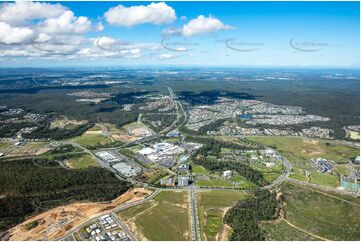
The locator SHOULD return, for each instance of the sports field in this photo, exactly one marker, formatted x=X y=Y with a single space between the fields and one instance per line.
x=212 y=206
x=83 y=161
x=93 y=140
x=166 y=217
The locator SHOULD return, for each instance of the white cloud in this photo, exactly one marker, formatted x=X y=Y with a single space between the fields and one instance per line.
x=155 y=13
x=166 y=56
x=67 y=23
x=200 y=25
x=15 y=35
x=20 y=12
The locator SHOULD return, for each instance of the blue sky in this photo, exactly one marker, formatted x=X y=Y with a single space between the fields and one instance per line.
x=270 y=34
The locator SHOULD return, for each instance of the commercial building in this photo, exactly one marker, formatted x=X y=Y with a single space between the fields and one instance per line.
x=227 y=173
x=183 y=167
x=162 y=153
x=322 y=165
x=106 y=156
x=173 y=134
x=126 y=169
x=183 y=181
x=168 y=181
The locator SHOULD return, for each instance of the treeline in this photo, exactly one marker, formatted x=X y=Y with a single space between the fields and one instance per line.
x=106 y=145
x=9 y=129
x=245 y=216
x=212 y=126
x=45 y=132
x=200 y=157
x=27 y=186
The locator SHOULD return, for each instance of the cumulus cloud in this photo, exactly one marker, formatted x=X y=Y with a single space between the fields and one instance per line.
x=51 y=31
x=20 y=12
x=154 y=13
x=35 y=22
x=200 y=25
x=67 y=23
x=15 y=35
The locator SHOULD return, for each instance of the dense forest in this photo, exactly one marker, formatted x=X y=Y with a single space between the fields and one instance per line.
x=27 y=186
x=212 y=149
x=8 y=130
x=245 y=216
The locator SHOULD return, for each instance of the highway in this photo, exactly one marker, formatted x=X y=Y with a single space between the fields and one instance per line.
x=194 y=215
x=180 y=112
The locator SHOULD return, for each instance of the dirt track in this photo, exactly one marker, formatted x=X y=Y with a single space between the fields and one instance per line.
x=56 y=222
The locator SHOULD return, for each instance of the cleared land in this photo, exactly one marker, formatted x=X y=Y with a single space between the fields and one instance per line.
x=220 y=182
x=296 y=148
x=65 y=123
x=26 y=149
x=166 y=217
x=281 y=231
x=56 y=222
x=83 y=161
x=137 y=129
x=331 y=216
x=93 y=140
x=119 y=134
x=212 y=206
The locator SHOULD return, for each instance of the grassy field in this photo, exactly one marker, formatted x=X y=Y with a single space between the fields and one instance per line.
x=211 y=208
x=200 y=170
x=166 y=217
x=341 y=169
x=218 y=182
x=296 y=148
x=83 y=161
x=214 y=182
x=323 y=214
x=92 y=140
x=281 y=231
x=298 y=174
x=325 y=179
x=269 y=173
x=135 y=125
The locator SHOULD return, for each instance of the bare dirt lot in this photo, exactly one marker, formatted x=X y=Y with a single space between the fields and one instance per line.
x=54 y=223
x=26 y=149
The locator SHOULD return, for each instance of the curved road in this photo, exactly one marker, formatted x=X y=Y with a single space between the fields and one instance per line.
x=113 y=212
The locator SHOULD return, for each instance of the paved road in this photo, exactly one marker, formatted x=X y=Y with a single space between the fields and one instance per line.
x=180 y=113
x=113 y=212
x=283 y=177
x=327 y=189
x=194 y=215
x=123 y=226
